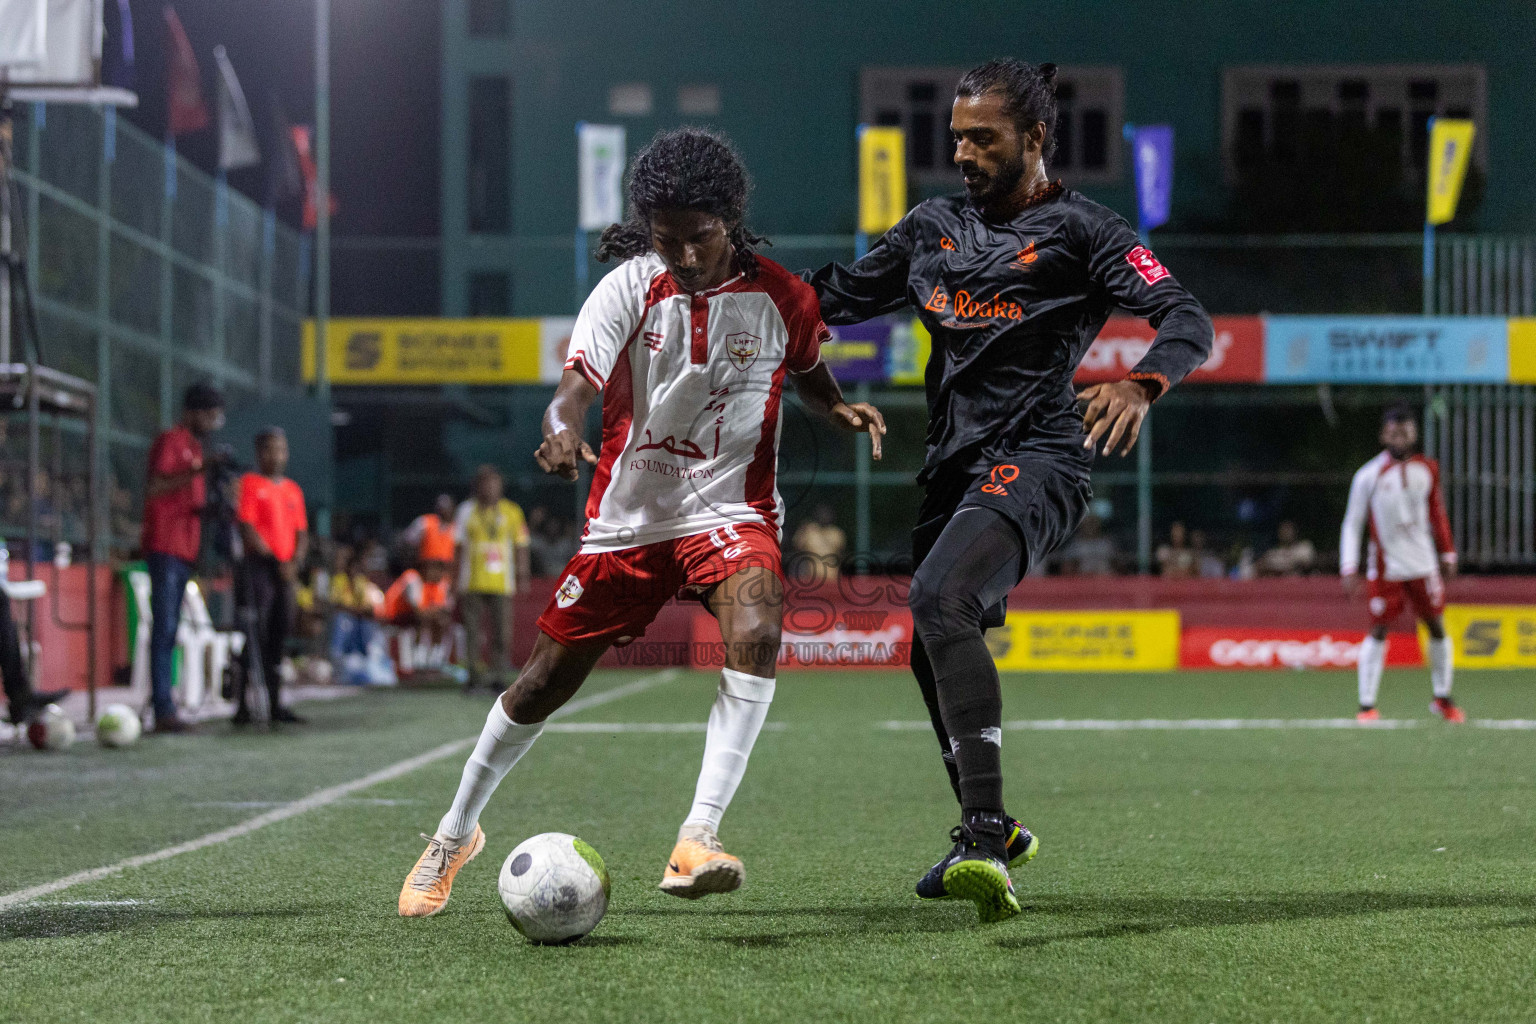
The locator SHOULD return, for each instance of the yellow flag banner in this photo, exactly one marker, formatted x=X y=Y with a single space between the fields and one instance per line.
x=1450 y=148
x=427 y=351
x=882 y=179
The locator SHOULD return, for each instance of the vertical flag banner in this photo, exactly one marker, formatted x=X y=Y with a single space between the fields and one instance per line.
x=882 y=178
x=302 y=148
x=185 y=111
x=1450 y=149
x=1152 y=145
x=600 y=174
x=237 y=132
x=285 y=179
x=51 y=42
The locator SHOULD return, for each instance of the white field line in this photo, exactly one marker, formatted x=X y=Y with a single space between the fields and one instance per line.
x=317 y=799
x=602 y=727
x=1215 y=724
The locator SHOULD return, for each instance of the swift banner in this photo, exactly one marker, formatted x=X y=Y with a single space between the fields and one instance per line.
x=427 y=351
x=1492 y=635
x=1385 y=350
x=1087 y=641
x=1236 y=356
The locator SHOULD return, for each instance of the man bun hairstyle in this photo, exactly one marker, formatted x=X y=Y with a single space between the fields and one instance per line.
x=684 y=169
x=1028 y=91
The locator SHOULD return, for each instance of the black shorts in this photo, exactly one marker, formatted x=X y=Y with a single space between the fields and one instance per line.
x=1044 y=496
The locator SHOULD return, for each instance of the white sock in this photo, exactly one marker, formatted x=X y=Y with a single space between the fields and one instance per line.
x=1373 y=655
x=740 y=709
x=1440 y=669
x=502 y=742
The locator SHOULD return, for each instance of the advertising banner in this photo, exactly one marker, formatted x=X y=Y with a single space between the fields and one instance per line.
x=427 y=351
x=1522 y=350
x=1450 y=148
x=1243 y=647
x=599 y=175
x=1385 y=350
x=823 y=636
x=1153 y=148
x=882 y=179
x=1236 y=356
x=857 y=353
x=1087 y=641
x=1492 y=635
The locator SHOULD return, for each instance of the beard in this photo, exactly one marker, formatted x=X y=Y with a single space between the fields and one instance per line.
x=991 y=187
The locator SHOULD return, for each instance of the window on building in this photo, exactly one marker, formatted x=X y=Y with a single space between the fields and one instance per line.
x=1090 y=99
x=1282 y=117
x=490 y=19
x=490 y=293
x=490 y=154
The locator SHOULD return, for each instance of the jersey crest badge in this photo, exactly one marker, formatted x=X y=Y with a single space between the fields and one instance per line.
x=743 y=348
x=569 y=592
x=1146 y=264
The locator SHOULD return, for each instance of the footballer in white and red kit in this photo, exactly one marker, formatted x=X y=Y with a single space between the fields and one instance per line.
x=690 y=342
x=1396 y=507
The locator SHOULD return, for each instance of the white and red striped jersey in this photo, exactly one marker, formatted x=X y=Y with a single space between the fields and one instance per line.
x=1399 y=503
x=691 y=386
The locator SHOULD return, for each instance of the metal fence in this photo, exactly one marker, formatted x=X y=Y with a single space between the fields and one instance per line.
x=1484 y=437
x=148 y=276
x=1485 y=275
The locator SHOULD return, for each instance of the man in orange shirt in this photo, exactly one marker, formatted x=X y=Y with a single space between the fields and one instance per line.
x=432 y=535
x=275 y=532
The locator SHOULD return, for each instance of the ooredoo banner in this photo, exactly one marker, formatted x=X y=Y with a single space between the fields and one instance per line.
x=1236 y=356
x=1241 y=648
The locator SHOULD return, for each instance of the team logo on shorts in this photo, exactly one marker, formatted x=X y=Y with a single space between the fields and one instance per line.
x=569 y=592
x=743 y=348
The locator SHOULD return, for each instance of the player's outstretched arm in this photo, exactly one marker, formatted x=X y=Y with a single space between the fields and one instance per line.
x=871 y=286
x=563 y=420
x=818 y=389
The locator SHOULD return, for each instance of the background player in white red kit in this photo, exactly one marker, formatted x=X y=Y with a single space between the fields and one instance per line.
x=1396 y=498
x=690 y=340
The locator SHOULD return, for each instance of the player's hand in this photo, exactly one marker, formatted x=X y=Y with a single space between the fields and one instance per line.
x=1448 y=566
x=1116 y=409
x=860 y=416
x=1351 y=583
x=559 y=452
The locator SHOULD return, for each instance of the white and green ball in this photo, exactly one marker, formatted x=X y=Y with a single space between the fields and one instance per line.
x=118 y=726
x=555 y=888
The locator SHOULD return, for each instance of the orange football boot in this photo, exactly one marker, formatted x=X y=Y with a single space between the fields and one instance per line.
x=427 y=889
x=700 y=866
x=1443 y=707
x=1368 y=715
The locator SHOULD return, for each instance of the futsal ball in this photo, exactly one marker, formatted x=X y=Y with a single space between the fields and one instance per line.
x=555 y=888
x=118 y=726
x=51 y=730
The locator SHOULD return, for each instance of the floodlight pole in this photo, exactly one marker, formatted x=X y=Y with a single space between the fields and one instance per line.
x=323 y=200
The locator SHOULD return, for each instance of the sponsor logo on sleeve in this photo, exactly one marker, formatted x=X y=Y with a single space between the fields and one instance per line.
x=1146 y=264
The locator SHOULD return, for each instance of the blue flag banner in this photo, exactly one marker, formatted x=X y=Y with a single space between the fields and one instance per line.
x=1152 y=147
x=1385 y=349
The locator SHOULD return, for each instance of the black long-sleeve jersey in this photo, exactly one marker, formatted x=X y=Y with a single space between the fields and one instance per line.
x=1011 y=308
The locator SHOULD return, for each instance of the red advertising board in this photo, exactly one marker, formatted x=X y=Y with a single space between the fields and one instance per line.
x=1237 y=356
x=1243 y=647
x=824 y=633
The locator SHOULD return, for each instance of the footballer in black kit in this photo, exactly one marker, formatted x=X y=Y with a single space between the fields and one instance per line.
x=1013 y=279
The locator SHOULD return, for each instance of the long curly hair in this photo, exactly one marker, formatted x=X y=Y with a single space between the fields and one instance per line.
x=687 y=169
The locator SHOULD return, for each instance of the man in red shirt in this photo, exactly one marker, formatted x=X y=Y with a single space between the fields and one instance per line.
x=274 y=530
x=174 y=497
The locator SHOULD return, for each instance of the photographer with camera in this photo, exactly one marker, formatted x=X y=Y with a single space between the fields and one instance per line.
x=175 y=494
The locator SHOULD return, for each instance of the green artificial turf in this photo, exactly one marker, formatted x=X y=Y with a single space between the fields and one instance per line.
x=1277 y=875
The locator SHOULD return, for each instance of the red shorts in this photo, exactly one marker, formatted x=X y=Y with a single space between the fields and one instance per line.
x=1426 y=596
x=612 y=596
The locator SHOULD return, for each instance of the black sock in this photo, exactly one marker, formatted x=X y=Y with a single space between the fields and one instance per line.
x=975 y=562
x=922 y=668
